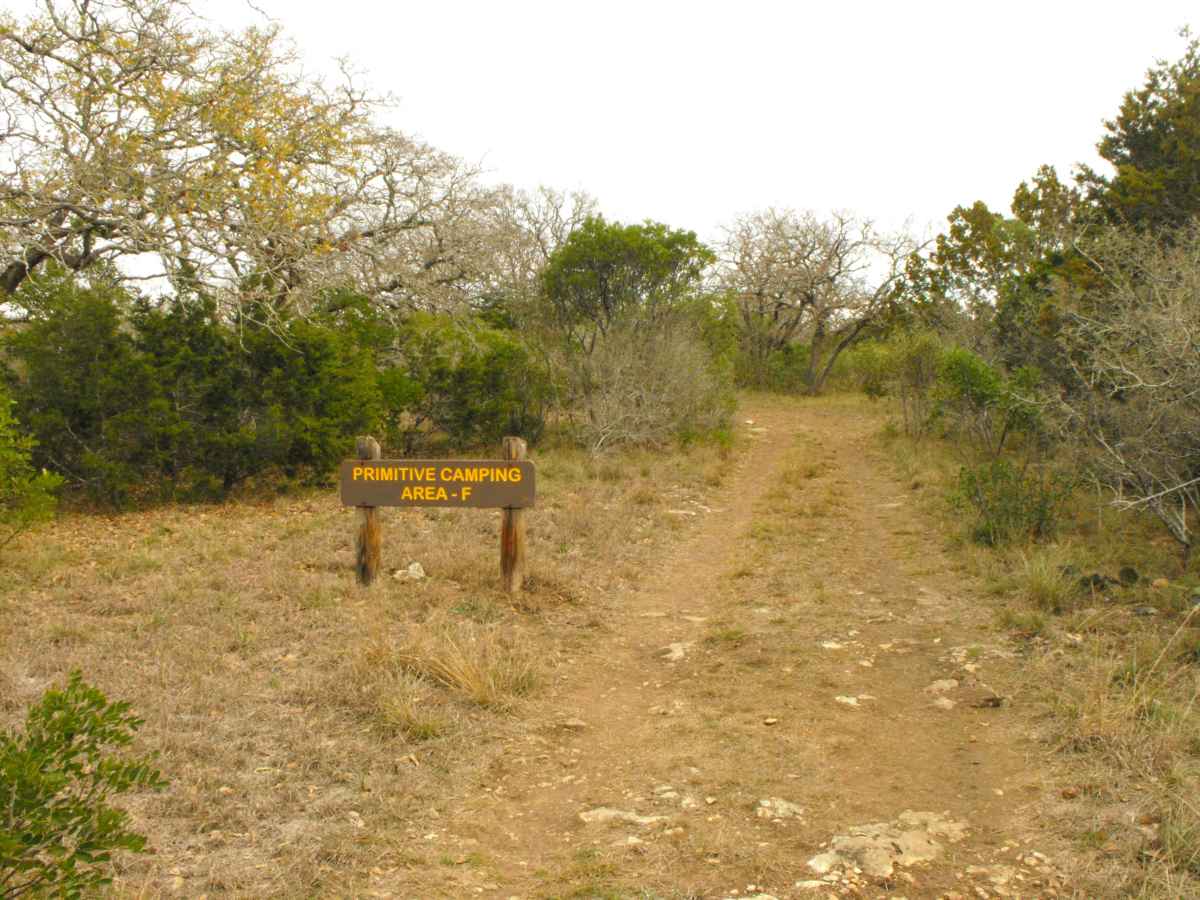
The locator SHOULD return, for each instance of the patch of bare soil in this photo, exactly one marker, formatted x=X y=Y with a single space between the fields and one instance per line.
x=804 y=697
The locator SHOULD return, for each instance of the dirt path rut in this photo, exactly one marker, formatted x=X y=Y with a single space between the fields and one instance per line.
x=805 y=699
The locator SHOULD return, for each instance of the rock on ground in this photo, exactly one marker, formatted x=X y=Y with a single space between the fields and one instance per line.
x=881 y=846
x=674 y=652
x=607 y=814
x=775 y=808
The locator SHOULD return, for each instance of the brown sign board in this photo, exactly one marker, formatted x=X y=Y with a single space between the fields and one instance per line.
x=437 y=482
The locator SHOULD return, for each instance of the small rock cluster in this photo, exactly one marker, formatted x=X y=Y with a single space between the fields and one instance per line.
x=414 y=572
x=877 y=848
x=775 y=808
x=1127 y=577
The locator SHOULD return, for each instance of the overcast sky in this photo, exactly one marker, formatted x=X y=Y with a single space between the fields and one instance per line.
x=691 y=113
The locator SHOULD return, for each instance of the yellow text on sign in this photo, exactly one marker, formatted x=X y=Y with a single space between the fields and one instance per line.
x=494 y=474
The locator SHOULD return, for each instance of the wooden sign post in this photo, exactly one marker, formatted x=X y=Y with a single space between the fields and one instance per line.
x=368 y=538
x=512 y=529
x=369 y=482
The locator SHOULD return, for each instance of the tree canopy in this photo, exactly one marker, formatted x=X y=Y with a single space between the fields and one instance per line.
x=1153 y=145
x=796 y=277
x=132 y=129
x=606 y=273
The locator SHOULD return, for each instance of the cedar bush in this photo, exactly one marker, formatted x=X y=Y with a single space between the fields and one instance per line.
x=84 y=392
x=1008 y=503
x=133 y=398
x=982 y=406
x=129 y=397
x=27 y=496
x=474 y=384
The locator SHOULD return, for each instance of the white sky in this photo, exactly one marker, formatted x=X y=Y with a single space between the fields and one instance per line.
x=691 y=113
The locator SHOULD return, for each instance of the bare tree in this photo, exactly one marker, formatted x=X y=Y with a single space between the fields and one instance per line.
x=650 y=385
x=798 y=278
x=527 y=227
x=1135 y=348
x=129 y=129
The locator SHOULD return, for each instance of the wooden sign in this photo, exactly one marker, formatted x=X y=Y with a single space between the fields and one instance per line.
x=478 y=483
x=370 y=482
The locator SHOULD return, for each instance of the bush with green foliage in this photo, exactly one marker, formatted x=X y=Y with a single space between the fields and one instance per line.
x=83 y=390
x=130 y=398
x=135 y=398
x=913 y=371
x=1008 y=502
x=27 y=496
x=197 y=440
x=982 y=406
x=713 y=318
x=782 y=371
x=864 y=367
x=57 y=829
x=474 y=384
x=642 y=352
x=607 y=275
x=312 y=390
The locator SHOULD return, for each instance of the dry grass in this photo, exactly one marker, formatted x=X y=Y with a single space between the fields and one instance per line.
x=487 y=665
x=1127 y=713
x=1042 y=580
x=309 y=728
x=1121 y=686
x=407 y=709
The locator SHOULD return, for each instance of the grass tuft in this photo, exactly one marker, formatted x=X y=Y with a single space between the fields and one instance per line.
x=405 y=707
x=1041 y=579
x=489 y=665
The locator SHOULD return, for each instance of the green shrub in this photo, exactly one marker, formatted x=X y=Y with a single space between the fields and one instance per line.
x=199 y=442
x=969 y=379
x=714 y=319
x=473 y=383
x=312 y=390
x=290 y=398
x=914 y=369
x=83 y=390
x=27 y=496
x=130 y=398
x=865 y=367
x=57 y=830
x=981 y=406
x=783 y=371
x=1008 y=503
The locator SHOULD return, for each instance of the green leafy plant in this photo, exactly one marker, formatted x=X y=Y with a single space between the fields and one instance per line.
x=1009 y=503
x=474 y=384
x=984 y=407
x=57 y=830
x=867 y=366
x=27 y=496
x=914 y=370
x=131 y=397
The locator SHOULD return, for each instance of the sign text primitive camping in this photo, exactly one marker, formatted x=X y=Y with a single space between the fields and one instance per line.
x=480 y=483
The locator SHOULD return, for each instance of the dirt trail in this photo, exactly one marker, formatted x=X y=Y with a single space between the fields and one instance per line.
x=807 y=642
